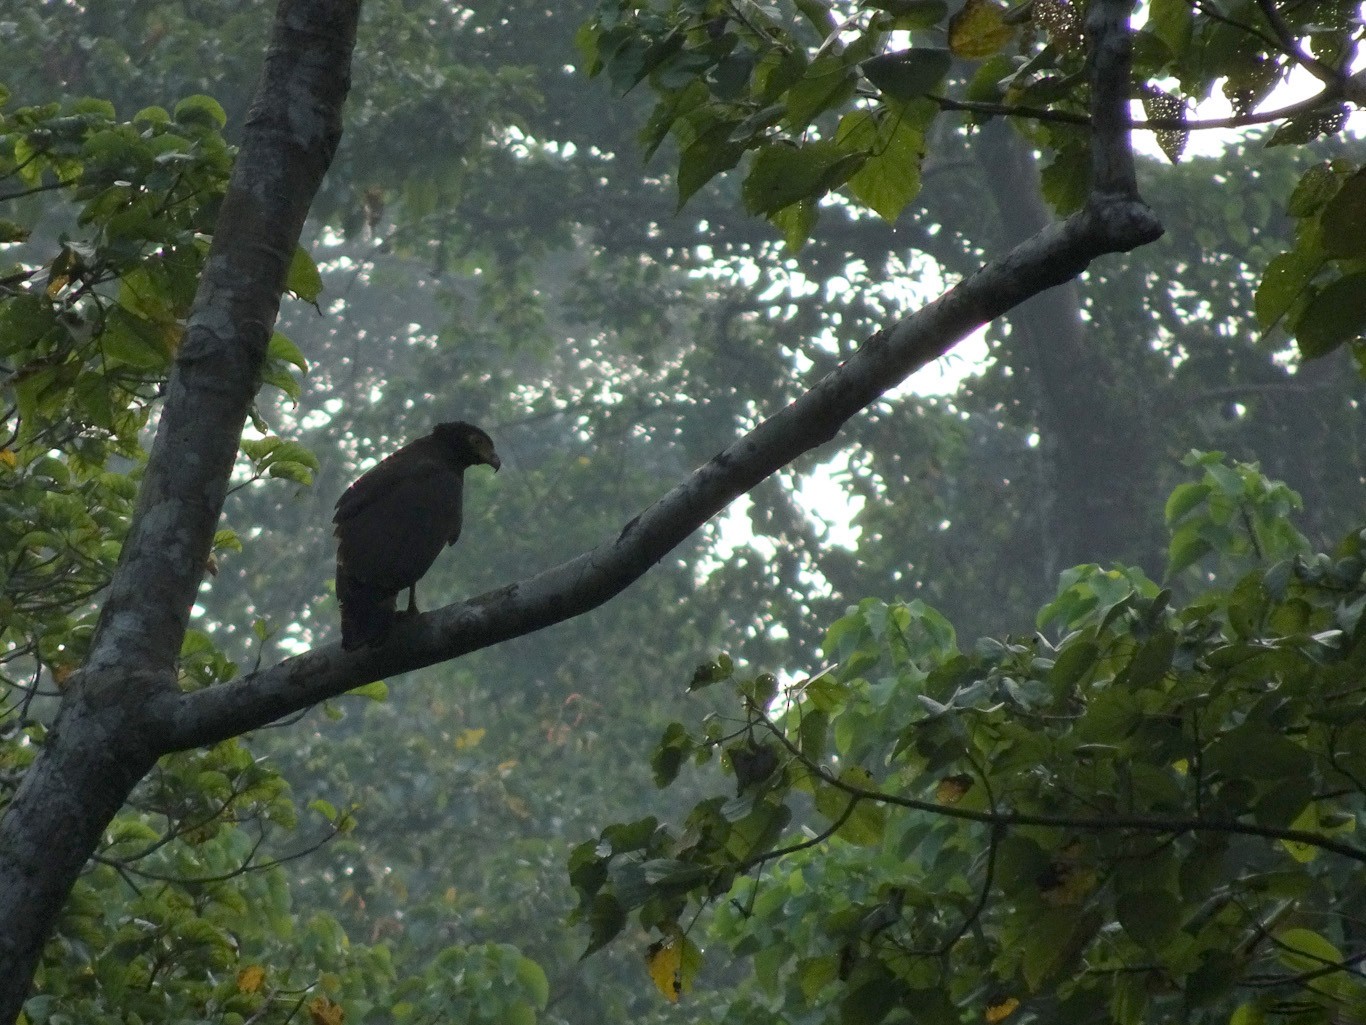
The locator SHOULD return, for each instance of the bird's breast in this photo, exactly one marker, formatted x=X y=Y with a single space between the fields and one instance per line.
x=392 y=541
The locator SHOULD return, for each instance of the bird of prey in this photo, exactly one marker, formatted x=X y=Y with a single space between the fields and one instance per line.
x=393 y=522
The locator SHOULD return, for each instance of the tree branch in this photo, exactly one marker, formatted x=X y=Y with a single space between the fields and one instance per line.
x=1291 y=47
x=1089 y=823
x=1114 y=220
x=1321 y=98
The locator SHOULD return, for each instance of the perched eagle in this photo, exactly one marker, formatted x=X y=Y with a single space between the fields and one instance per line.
x=393 y=522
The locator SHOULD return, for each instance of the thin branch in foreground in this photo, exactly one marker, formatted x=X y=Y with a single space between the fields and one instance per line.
x=1153 y=124
x=1087 y=823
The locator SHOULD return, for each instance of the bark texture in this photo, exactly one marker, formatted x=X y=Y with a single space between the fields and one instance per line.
x=111 y=727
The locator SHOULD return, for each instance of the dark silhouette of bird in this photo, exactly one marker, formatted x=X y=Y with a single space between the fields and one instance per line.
x=393 y=522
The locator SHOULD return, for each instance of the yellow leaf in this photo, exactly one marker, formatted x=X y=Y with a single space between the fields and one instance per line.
x=979 y=30
x=1000 y=1012
x=324 y=1012
x=950 y=789
x=517 y=806
x=1316 y=819
x=8 y=458
x=1067 y=885
x=1163 y=106
x=672 y=963
x=249 y=979
x=1061 y=19
x=469 y=738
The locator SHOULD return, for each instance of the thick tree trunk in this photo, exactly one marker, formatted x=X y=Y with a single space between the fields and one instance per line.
x=89 y=764
x=112 y=724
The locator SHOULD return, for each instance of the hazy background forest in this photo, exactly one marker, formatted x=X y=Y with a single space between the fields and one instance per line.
x=494 y=248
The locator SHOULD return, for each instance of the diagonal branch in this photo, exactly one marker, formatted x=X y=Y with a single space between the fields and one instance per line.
x=1114 y=220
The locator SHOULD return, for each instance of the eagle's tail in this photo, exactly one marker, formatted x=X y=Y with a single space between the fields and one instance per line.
x=367 y=615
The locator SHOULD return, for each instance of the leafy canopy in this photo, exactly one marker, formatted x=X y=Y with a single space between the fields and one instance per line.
x=1151 y=816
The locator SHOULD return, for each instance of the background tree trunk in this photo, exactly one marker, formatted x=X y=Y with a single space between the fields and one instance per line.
x=1089 y=427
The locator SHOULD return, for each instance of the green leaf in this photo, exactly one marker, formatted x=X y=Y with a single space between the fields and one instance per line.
x=296 y=472
x=606 y=917
x=1286 y=279
x=281 y=348
x=985 y=86
x=979 y=29
x=826 y=84
x=1247 y=1014
x=1215 y=976
x=908 y=74
x=1316 y=187
x=1065 y=182
x=1334 y=316
x=303 y=278
x=1072 y=664
x=674 y=747
x=1255 y=750
x=911 y=14
x=325 y=808
x=811 y=733
x=1150 y=917
x=1170 y=21
x=152 y=116
x=1344 y=219
x=1184 y=498
x=135 y=343
x=1128 y=1000
x=1311 y=819
x=707 y=156
x=872 y=1001
x=867 y=821
x=815 y=973
x=796 y=222
x=286 y=382
x=201 y=110
x=890 y=176
x=1187 y=547
x=533 y=978
x=1056 y=937
x=1303 y=950
x=376 y=691
x=782 y=175
x=1151 y=662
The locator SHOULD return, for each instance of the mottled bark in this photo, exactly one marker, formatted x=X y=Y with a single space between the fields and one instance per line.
x=113 y=721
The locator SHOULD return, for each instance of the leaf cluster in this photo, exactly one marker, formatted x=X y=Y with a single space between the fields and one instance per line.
x=826 y=97
x=1150 y=815
x=1317 y=290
